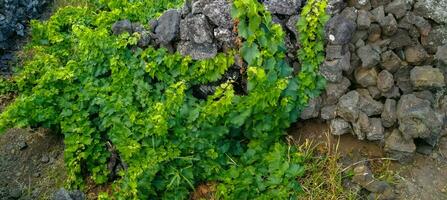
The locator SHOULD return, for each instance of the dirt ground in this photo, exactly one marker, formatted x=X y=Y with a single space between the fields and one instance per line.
x=423 y=179
x=31 y=164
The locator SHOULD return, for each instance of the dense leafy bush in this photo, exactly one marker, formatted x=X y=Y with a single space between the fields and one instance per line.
x=106 y=97
x=7 y=86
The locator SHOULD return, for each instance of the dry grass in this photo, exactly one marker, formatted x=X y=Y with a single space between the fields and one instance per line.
x=324 y=177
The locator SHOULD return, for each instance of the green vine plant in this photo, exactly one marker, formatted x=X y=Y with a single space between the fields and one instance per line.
x=112 y=102
x=311 y=54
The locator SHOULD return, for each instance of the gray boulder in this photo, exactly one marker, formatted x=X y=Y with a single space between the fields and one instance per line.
x=374 y=92
x=389 y=115
x=196 y=29
x=350 y=13
x=398 y=8
x=153 y=23
x=416 y=117
x=437 y=36
x=369 y=55
x=329 y=112
x=168 y=26
x=335 y=90
x=390 y=61
x=432 y=9
x=312 y=110
x=345 y=63
x=378 y=14
x=400 y=40
x=219 y=13
x=339 y=30
x=363 y=20
x=197 y=51
x=441 y=56
x=223 y=35
x=415 y=55
x=385 y=81
x=335 y=6
x=427 y=95
x=340 y=127
x=389 y=25
x=63 y=194
x=367 y=104
x=360 y=4
x=361 y=126
x=197 y=6
x=374 y=33
x=377 y=3
x=376 y=130
x=422 y=24
x=402 y=78
x=283 y=7
x=366 y=76
x=347 y=106
x=146 y=38
x=332 y=70
x=398 y=147
x=123 y=26
x=394 y=93
x=427 y=77
x=335 y=51
x=291 y=25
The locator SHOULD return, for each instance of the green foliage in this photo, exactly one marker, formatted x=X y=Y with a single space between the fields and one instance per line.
x=7 y=86
x=311 y=54
x=96 y=90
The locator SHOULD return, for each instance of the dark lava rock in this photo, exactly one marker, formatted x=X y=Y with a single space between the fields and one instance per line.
x=63 y=194
x=197 y=51
x=417 y=119
x=13 y=15
x=22 y=145
x=122 y=26
x=219 y=13
x=339 y=30
x=427 y=77
x=340 y=126
x=369 y=55
x=283 y=7
x=168 y=26
x=196 y=29
x=399 y=148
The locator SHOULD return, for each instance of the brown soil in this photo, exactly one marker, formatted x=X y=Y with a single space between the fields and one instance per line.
x=319 y=133
x=31 y=164
x=204 y=191
x=424 y=179
x=5 y=100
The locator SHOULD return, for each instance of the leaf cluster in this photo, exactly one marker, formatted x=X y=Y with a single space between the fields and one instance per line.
x=311 y=54
x=106 y=96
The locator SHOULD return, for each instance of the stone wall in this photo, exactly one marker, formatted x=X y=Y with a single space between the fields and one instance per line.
x=386 y=62
x=14 y=16
x=386 y=71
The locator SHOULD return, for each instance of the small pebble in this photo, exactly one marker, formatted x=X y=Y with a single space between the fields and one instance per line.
x=44 y=159
x=22 y=145
x=36 y=175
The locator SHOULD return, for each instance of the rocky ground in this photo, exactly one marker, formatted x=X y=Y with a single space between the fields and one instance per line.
x=14 y=18
x=423 y=178
x=31 y=164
